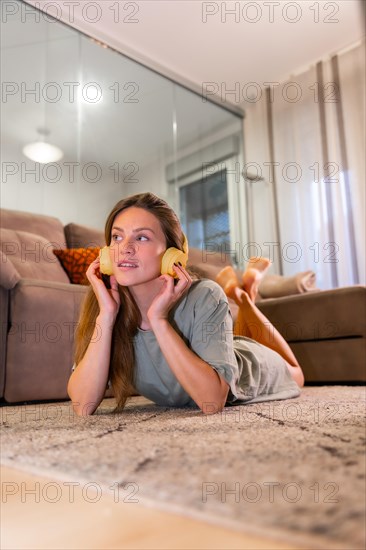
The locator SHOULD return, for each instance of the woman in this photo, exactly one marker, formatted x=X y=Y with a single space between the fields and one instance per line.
x=172 y=341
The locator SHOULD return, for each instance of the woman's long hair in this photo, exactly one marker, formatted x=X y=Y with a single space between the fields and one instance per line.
x=122 y=362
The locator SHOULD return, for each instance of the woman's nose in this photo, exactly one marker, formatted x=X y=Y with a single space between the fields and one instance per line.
x=129 y=246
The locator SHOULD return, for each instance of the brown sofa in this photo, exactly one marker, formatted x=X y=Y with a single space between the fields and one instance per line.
x=40 y=308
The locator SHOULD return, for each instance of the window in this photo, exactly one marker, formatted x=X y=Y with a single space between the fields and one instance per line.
x=204 y=211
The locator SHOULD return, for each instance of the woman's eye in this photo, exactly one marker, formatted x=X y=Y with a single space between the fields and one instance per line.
x=119 y=238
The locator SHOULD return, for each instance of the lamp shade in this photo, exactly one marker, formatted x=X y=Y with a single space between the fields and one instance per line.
x=42 y=152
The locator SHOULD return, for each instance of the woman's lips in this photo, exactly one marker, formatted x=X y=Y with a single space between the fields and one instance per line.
x=126 y=266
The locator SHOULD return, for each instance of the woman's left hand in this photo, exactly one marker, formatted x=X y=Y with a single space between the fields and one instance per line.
x=169 y=294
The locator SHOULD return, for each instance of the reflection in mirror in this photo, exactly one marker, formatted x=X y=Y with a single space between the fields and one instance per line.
x=120 y=129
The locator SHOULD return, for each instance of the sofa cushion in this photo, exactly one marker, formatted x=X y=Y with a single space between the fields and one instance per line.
x=48 y=227
x=31 y=255
x=76 y=261
x=82 y=236
x=275 y=286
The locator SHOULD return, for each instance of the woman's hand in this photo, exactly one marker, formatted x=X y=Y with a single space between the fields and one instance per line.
x=169 y=294
x=108 y=300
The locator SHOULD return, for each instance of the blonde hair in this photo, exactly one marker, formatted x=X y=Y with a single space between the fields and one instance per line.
x=122 y=362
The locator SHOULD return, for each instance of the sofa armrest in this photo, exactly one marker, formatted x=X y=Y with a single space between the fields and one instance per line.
x=9 y=275
x=4 y=319
x=323 y=315
x=40 y=339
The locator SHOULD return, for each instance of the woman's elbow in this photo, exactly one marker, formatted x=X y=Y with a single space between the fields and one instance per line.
x=212 y=407
x=217 y=404
x=80 y=407
x=84 y=409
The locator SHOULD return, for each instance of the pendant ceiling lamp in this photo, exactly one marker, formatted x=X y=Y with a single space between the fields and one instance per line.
x=42 y=151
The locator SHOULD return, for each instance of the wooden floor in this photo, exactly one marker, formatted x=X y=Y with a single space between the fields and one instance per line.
x=93 y=521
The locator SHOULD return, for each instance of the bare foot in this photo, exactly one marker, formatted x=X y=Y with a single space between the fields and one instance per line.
x=252 y=276
x=228 y=280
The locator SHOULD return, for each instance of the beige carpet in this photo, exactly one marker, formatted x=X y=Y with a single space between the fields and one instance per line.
x=292 y=470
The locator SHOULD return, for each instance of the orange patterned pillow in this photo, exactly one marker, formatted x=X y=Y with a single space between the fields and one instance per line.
x=76 y=261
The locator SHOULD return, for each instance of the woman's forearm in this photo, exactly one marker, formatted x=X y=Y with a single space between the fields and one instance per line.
x=87 y=384
x=206 y=387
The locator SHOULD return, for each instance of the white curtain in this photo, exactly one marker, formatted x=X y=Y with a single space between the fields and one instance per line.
x=317 y=189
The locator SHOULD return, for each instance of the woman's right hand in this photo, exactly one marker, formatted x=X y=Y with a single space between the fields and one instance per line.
x=108 y=300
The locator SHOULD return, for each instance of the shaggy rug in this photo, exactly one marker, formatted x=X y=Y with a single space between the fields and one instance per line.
x=291 y=470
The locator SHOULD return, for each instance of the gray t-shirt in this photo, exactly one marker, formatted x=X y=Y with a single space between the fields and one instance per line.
x=202 y=318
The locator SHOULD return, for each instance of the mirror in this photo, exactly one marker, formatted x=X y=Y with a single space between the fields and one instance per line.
x=122 y=129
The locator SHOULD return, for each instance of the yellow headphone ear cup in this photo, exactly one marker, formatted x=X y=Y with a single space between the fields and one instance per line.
x=185 y=245
x=173 y=256
x=105 y=261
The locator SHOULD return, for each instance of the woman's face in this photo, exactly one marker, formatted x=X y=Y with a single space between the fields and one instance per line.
x=137 y=246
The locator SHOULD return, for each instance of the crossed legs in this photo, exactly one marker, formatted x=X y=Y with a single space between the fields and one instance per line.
x=250 y=321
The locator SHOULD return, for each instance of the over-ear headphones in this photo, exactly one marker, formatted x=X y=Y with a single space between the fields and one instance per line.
x=105 y=265
x=171 y=256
